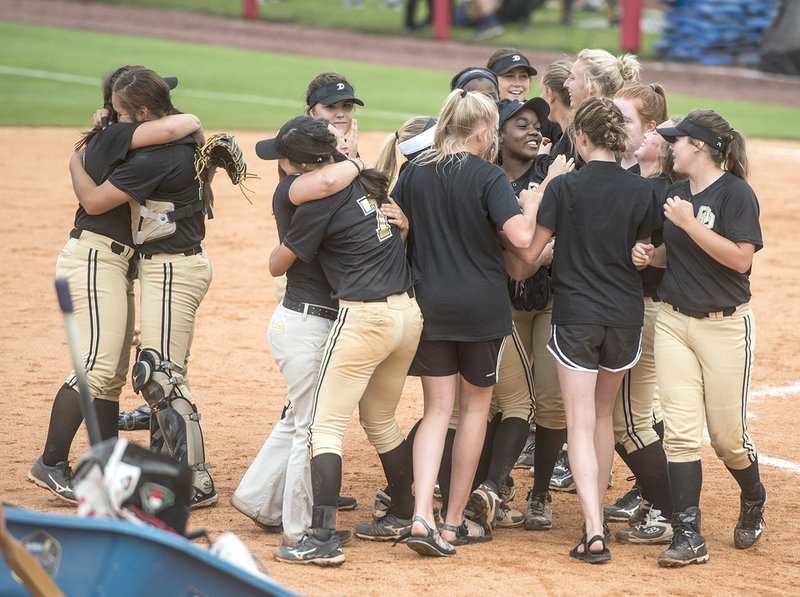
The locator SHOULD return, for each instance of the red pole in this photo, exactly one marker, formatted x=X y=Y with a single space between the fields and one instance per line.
x=631 y=30
x=250 y=9
x=441 y=19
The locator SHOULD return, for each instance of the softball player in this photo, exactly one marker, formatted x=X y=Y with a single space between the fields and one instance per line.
x=450 y=194
x=370 y=345
x=475 y=78
x=529 y=287
x=275 y=491
x=595 y=73
x=331 y=96
x=705 y=330
x=174 y=270
x=637 y=443
x=411 y=139
x=99 y=261
x=595 y=213
x=514 y=72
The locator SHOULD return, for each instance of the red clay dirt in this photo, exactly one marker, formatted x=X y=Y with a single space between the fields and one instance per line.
x=240 y=394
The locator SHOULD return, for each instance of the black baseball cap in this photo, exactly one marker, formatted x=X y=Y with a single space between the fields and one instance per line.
x=172 y=82
x=508 y=63
x=687 y=128
x=333 y=92
x=298 y=131
x=538 y=104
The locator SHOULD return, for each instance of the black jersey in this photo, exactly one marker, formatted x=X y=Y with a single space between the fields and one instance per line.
x=107 y=150
x=693 y=279
x=305 y=282
x=652 y=276
x=597 y=215
x=165 y=173
x=455 y=209
x=551 y=130
x=565 y=147
x=362 y=255
x=534 y=175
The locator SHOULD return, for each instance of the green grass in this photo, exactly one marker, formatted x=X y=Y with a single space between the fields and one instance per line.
x=545 y=33
x=51 y=77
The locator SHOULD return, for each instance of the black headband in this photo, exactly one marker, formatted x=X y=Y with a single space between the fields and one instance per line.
x=474 y=73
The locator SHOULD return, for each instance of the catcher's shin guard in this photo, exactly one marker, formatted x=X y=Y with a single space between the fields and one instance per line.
x=176 y=422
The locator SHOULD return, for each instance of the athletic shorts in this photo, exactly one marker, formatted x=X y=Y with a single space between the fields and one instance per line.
x=477 y=362
x=585 y=347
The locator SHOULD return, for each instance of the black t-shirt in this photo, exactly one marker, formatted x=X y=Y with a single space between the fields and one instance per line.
x=693 y=279
x=362 y=255
x=165 y=173
x=597 y=215
x=652 y=276
x=455 y=209
x=107 y=150
x=305 y=282
x=551 y=130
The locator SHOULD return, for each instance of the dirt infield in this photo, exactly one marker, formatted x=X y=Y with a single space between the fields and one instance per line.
x=240 y=395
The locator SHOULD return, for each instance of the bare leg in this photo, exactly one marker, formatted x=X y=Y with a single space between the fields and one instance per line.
x=605 y=393
x=439 y=395
x=474 y=406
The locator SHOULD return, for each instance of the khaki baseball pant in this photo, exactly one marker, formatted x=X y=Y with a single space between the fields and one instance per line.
x=102 y=296
x=703 y=368
x=365 y=364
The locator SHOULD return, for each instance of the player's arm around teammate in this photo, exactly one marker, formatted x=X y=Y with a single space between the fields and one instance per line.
x=705 y=330
x=99 y=262
x=371 y=343
x=275 y=491
x=174 y=269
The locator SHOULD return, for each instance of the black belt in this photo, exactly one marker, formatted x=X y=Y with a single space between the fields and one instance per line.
x=193 y=251
x=655 y=299
x=317 y=310
x=116 y=247
x=726 y=312
x=409 y=292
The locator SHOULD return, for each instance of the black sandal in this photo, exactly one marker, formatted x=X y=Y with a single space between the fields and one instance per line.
x=574 y=553
x=463 y=536
x=431 y=544
x=596 y=557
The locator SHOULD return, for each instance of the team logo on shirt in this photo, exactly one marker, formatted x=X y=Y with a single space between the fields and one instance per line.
x=706 y=217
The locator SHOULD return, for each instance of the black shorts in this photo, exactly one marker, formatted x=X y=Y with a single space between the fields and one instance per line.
x=585 y=347
x=477 y=362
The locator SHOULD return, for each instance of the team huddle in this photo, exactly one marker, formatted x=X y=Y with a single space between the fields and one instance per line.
x=606 y=248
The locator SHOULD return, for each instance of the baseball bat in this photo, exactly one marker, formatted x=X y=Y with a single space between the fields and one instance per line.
x=89 y=414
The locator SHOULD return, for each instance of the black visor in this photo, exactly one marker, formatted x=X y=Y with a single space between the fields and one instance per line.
x=333 y=92
x=687 y=128
x=508 y=63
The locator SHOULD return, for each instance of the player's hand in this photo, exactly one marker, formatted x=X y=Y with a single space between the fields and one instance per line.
x=560 y=166
x=99 y=115
x=642 y=254
x=679 y=212
x=395 y=215
x=547 y=253
x=545 y=145
x=352 y=140
x=530 y=196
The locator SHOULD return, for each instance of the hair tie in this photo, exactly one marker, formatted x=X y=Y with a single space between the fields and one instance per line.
x=463 y=93
x=653 y=86
x=397 y=135
x=730 y=132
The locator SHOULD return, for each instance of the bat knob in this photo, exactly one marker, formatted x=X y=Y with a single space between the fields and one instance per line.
x=64 y=298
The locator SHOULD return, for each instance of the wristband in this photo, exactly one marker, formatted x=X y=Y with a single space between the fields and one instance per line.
x=355 y=163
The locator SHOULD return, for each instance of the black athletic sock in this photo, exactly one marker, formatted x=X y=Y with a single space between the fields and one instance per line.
x=323 y=521
x=487 y=452
x=397 y=468
x=685 y=481
x=649 y=465
x=107 y=417
x=326 y=479
x=509 y=440
x=659 y=429
x=749 y=480
x=66 y=417
x=548 y=444
x=446 y=467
